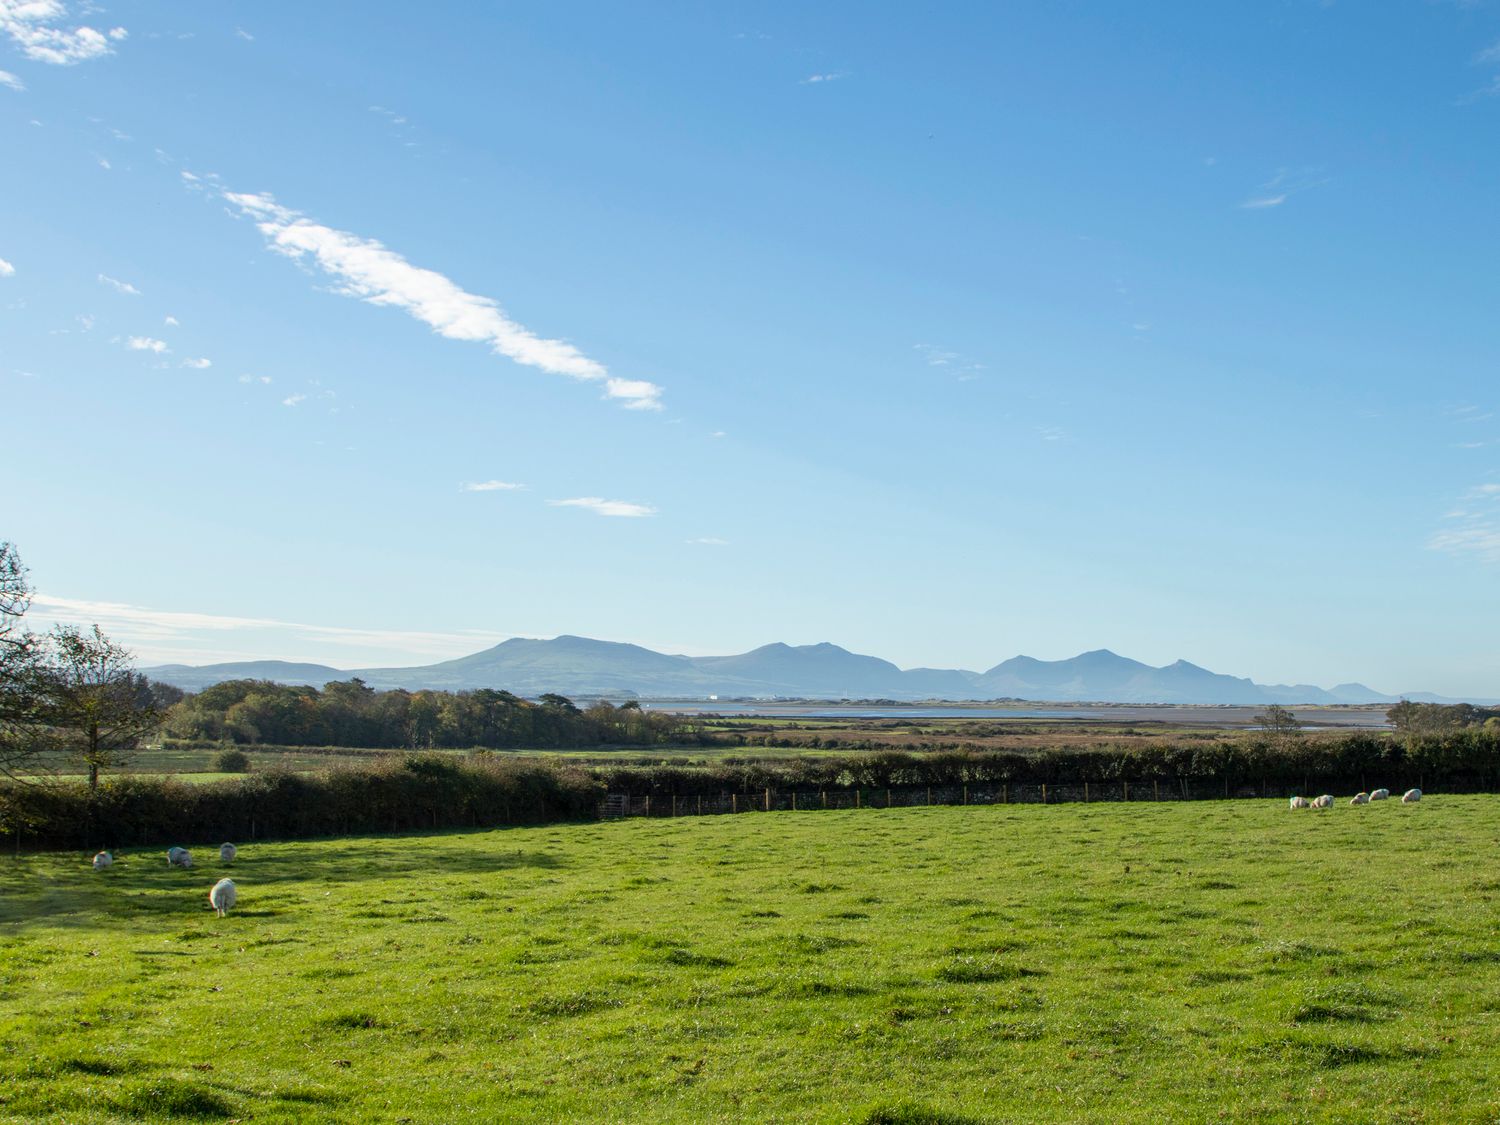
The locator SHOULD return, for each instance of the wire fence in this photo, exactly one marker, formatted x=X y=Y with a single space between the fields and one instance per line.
x=616 y=805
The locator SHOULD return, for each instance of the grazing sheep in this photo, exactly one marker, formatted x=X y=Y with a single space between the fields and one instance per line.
x=222 y=896
x=103 y=860
x=179 y=857
x=1360 y=799
x=1323 y=802
x=1411 y=796
x=1379 y=794
x=227 y=852
x=1301 y=803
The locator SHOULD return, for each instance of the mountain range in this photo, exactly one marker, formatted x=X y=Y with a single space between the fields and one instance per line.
x=585 y=668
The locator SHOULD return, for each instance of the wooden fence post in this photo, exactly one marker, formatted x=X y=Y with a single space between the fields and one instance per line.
x=794 y=800
x=734 y=802
x=674 y=804
x=768 y=799
x=1005 y=792
x=823 y=796
x=1155 y=789
x=856 y=796
x=929 y=795
x=887 y=798
x=1127 y=791
x=648 y=804
x=700 y=804
x=1085 y=792
x=966 y=794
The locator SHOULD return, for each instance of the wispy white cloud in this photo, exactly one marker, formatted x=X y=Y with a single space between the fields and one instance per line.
x=198 y=364
x=6 y=269
x=601 y=507
x=1470 y=412
x=147 y=344
x=1476 y=526
x=965 y=370
x=814 y=79
x=1286 y=183
x=171 y=322
x=371 y=272
x=293 y=400
x=33 y=25
x=11 y=82
x=157 y=634
x=262 y=379
x=119 y=286
x=490 y=486
x=241 y=33
x=104 y=163
x=709 y=541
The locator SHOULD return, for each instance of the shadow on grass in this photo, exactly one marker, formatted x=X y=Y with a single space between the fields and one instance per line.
x=60 y=890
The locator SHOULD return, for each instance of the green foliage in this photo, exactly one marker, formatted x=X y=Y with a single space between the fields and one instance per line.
x=1251 y=965
x=392 y=794
x=1463 y=759
x=232 y=761
x=352 y=714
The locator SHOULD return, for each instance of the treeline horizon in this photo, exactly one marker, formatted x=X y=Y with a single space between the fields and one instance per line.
x=351 y=714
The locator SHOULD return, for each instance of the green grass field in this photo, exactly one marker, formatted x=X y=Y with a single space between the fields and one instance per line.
x=1215 y=961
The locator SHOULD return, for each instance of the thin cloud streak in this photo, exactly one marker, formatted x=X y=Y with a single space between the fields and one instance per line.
x=141 y=627
x=490 y=486
x=602 y=507
x=369 y=271
x=119 y=286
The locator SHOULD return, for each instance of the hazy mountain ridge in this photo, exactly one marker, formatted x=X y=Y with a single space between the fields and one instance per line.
x=580 y=666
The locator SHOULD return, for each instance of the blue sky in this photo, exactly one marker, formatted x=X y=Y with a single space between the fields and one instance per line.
x=943 y=335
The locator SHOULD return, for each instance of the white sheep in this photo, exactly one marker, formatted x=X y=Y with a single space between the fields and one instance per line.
x=1323 y=802
x=1360 y=799
x=179 y=857
x=1301 y=803
x=1411 y=796
x=1379 y=794
x=103 y=860
x=227 y=852
x=222 y=896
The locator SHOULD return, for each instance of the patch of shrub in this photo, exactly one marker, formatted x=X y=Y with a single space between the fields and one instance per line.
x=232 y=761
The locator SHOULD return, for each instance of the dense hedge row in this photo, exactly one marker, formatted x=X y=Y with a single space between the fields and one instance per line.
x=1468 y=758
x=394 y=794
x=401 y=792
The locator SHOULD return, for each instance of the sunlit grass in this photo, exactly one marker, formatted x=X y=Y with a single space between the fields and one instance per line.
x=1146 y=963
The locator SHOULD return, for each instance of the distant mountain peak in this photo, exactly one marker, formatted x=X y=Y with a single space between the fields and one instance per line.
x=585 y=667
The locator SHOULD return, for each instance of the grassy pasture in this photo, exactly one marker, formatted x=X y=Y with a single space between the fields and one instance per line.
x=1192 y=962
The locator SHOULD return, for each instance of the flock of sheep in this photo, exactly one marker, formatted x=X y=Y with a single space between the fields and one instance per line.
x=1410 y=797
x=221 y=895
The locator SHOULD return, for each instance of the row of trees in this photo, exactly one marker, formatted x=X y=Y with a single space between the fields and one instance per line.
x=352 y=714
x=70 y=693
